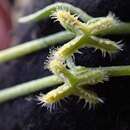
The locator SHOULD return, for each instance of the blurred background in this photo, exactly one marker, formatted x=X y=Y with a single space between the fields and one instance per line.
x=10 y=10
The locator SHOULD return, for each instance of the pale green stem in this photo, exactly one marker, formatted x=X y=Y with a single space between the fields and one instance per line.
x=119 y=28
x=27 y=88
x=116 y=71
x=113 y=71
x=47 y=11
x=33 y=46
x=39 y=84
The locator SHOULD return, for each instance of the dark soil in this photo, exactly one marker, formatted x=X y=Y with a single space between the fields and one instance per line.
x=25 y=114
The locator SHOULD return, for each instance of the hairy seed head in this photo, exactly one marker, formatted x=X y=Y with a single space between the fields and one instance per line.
x=106 y=45
x=93 y=76
x=88 y=96
x=55 y=95
x=67 y=20
x=99 y=25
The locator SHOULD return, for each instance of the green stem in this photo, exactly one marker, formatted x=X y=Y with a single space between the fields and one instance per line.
x=47 y=11
x=27 y=88
x=119 y=28
x=112 y=71
x=33 y=46
x=36 y=85
x=116 y=71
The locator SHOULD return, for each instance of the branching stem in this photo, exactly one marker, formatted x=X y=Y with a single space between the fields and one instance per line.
x=47 y=11
x=86 y=29
x=39 y=84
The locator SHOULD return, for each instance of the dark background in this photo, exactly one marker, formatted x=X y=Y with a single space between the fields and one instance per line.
x=25 y=114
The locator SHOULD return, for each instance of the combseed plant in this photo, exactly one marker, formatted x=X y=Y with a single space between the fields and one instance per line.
x=82 y=31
